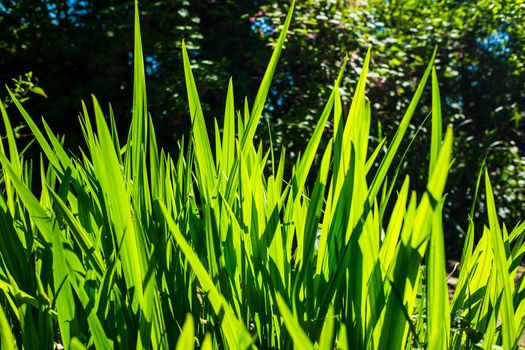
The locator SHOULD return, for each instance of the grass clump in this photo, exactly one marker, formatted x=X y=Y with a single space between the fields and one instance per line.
x=126 y=247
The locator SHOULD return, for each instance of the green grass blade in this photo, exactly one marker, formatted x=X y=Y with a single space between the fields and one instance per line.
x=342 y=338
x=139 y=121
x=313 y=215
x=264 y=88
x=437 y=136
x=46 y=147
x=300 y=339
x=76 y=344
x=435 y=188
x=228 y=142
x=98 y=335
x=203 y=155
x=61 y=154
x=438 y=310
x=6 y=336
x=14 y=155
x=326 y=342
x=186 y=341
x=207 y=343
x=393 y=231
x=502 y=270
x=64 y=297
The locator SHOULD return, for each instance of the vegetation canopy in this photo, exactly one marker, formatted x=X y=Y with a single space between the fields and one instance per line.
x=126 y=247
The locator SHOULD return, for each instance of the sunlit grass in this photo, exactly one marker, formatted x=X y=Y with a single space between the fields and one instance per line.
x=126 y=247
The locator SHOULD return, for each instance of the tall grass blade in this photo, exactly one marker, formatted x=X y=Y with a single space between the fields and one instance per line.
x=506 y=286
x=435 y=141
x=300 y=339
x=438 y=310
x=7 y=340
x=206 y=170
x=64 y=297
x=186 y=341
x=264 y=88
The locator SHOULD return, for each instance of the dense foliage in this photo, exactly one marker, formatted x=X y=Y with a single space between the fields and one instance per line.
x=127 y=247
x=86 y=46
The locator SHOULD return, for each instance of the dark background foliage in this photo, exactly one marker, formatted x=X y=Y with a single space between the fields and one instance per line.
x=78 y=47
